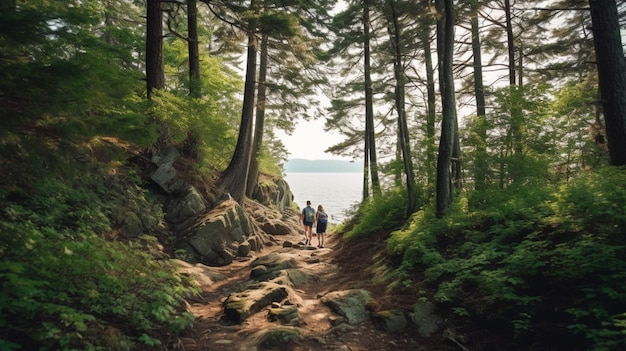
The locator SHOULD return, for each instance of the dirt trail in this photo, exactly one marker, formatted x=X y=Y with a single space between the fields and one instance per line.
x=335 y=267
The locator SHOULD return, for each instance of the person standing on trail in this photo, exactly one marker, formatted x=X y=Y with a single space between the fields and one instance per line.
x=308 y=218
x=321 y=217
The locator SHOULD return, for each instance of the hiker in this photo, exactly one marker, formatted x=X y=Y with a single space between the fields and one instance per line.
x=321 y=218
x=308 y=218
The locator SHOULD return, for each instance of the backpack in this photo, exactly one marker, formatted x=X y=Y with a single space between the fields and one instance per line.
x=322 y=217
x=309 y=214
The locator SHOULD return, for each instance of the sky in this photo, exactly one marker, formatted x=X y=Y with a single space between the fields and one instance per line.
x=309 y=140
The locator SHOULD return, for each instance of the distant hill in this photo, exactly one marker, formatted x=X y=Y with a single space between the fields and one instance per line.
x=299 y=165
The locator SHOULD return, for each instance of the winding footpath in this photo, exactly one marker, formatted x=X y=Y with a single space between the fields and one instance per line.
x=290 y=297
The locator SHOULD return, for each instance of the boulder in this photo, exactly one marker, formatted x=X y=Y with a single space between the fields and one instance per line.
x=239 y=306
x=166 y=176
x=393 y=322
x=283 y=314
x=276 y=338
x=425 y=319
x=272 y=221
x=188 y=205
x=201 y=274
x=222 y=234
x=280 y=268
x=273 y=192
x=352 y=304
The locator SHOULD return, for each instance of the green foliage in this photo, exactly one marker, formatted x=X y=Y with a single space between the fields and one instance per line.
x=578 y=135
x=379 y=213
x=73 y=107
x=268 y=164
x=64 y=287
x=542 y=260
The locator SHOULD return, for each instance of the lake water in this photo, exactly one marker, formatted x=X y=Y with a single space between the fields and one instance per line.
x=337 y=192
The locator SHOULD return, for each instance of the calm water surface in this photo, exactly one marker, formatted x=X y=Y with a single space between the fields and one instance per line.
x=337 y=192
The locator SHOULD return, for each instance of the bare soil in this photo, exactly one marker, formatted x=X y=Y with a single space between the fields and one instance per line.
x=340 y=265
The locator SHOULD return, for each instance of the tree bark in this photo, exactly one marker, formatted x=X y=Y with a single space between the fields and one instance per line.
x=369 y=103
x=403 y=135
x=611 y=75
x=235 y=176
x=431 y=107
x=257 y=142
x=155 y=74
x=480 y=165
x=446 y=142
x=193 y=49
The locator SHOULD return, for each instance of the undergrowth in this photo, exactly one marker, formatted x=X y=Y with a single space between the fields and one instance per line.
x=545 y=264
x=64 y=286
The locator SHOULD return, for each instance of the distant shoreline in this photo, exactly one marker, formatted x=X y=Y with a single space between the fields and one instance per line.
x=299 y=165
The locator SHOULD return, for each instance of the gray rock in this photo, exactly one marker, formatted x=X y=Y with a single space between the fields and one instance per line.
x=216 y=238
x=351 y=304
x=425 y=319
x=181 y=208
x=132 y=226
x=165 y=177
x=393 y=322
x=283 y=314
x=202 y=275
x=239 y=306
x=274 y=193
x=169 y=155
x=275 y=265
x=275 y=338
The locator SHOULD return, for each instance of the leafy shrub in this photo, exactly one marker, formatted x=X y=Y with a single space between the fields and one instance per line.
x=380 y=212
x=63 y=286
x=61 y=294
x=542 y=260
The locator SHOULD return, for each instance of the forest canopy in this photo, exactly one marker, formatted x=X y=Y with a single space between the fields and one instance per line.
x=492 y=136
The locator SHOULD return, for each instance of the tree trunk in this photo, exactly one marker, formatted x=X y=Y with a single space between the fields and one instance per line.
x=517 y=118
x=155 y=74
x=257 y=142
x=235 y=177
x=194 y=52
x=369 y=103
x=611 y=75
x=480 y=165
x=108 y=22
x=366 y=171
x=445 y=29
x=431 y=107
x=403 y=135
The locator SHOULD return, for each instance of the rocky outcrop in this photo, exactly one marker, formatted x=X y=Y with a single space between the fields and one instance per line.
x=220 y=235
x=273 y=193
x=272 y=279
x=165 y=175
x=187 y=206
x=211 y=229
x=272 y=221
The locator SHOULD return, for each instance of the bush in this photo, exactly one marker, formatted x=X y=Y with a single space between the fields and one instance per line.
x=540 y=260
x=65 y=287
x=379 y=213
